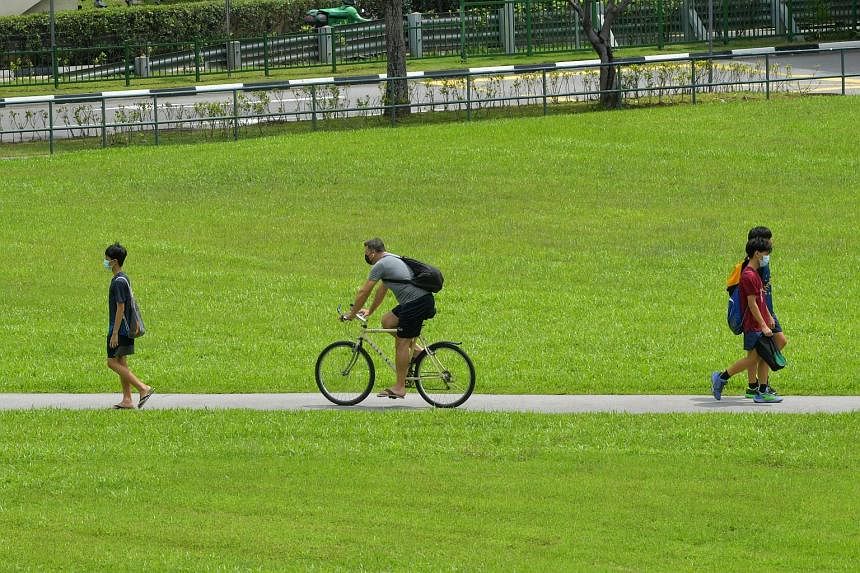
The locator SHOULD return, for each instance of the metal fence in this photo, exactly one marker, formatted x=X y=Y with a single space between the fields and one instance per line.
x=488 y=27
x=231 y=112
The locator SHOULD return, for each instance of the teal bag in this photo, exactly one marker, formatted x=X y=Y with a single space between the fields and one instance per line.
x=768 y=352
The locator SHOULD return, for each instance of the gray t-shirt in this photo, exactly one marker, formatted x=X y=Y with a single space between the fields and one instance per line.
x=391 y=267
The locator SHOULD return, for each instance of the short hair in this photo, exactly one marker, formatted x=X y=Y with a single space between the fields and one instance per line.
x=375 y=244
x=762 y=232
x=118 y=252
x=758 y=244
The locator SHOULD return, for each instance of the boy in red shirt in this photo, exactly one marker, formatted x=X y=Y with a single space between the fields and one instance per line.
x=757 y=322
x=764 y=272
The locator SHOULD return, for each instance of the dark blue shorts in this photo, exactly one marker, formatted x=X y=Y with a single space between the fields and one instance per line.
x=411 y=316
x=126 y=347
x=750 y=338
x=777 y=327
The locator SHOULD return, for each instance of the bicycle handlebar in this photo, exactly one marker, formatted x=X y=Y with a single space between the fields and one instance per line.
x=343 y=316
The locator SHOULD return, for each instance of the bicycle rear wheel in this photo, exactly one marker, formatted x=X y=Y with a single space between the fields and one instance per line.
x=445 y=375
x=345 y=373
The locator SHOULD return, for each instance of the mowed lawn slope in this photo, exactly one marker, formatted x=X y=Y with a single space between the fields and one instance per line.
x=582 y=254
x=427 y=491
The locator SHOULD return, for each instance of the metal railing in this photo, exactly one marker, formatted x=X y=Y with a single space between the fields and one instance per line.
x=537 y=27
x=231 y=111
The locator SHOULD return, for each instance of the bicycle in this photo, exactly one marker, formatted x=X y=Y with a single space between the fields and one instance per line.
x=442 y=372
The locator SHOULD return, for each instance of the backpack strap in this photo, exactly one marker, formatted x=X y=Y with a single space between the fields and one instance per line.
x=131 y=292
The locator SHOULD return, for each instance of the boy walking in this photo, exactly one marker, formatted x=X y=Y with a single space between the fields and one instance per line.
x=757 y=322
x=778 y=336
x=119 y=342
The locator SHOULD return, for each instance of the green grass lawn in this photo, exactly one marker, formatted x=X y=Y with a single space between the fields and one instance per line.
x=583 y=253
x=427 y=491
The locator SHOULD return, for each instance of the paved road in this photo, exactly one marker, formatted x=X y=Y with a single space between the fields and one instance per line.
x=294 y=103
x=478 y=402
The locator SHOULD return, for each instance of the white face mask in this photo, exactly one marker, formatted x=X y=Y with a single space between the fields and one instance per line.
x=765 y=261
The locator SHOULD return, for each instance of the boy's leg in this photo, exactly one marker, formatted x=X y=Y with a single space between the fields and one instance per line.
x=719 y=379
x=763 y=373
x=745 y=363
x=129 y=377
x=115 y=365
x=765 y=394
x=752 y=379
x=751 y=374
x=756 y=385
x=780 y=340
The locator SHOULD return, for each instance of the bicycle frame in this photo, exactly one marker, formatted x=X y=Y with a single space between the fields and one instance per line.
x=363 y=336
x=442 y=373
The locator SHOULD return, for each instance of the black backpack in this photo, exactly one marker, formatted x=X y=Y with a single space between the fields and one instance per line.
x=424 y=276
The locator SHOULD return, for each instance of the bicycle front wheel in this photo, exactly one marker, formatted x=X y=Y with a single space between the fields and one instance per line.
x=445 y=375
x=345 y=373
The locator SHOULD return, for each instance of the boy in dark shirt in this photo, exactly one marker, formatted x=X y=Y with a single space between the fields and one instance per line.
x=778 y=336
x=119 y=342
x=757 y=322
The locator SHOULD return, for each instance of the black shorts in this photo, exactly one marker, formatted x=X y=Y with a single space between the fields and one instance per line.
x=411 y=316
x=126 y=347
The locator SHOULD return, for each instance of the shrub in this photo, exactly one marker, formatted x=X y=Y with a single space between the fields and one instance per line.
x=154 y=24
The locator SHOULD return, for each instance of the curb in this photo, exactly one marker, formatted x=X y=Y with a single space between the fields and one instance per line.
x=374 y=78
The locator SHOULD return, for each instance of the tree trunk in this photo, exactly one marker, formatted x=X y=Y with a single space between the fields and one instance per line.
x=396 y=91
x=601 y=41
x=610 y=98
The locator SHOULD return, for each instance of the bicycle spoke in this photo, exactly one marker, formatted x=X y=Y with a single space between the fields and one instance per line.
x=446 y=376
x=344 y=373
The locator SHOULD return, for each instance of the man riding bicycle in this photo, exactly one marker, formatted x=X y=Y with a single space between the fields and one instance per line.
x=415 y=305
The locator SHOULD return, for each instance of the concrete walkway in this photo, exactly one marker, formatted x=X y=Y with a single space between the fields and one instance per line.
x=478 y=402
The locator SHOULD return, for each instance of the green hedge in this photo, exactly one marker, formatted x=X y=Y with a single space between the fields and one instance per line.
x=178 y=22
x=182 y=22
x=155 y=24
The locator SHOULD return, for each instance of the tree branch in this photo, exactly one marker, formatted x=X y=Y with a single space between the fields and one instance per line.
x=577 y=7
x=584 y=13
x=612 y=11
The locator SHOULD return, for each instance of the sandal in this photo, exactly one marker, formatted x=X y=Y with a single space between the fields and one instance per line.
x=389 y=393
x=143 y=399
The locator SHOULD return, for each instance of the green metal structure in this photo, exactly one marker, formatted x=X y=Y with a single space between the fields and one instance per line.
x=346 y=13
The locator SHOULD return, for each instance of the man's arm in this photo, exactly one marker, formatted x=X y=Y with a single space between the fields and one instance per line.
x=361 y=298
x=753 y=308
x=117 y=321
x=377 y=300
